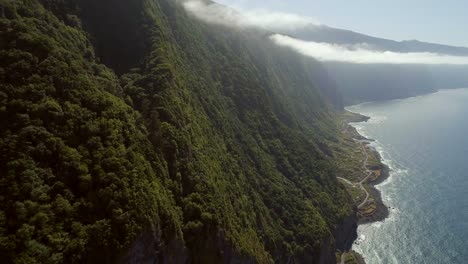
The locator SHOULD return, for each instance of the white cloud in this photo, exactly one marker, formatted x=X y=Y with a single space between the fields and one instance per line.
x=222 y=15
x=363 y=54
x=277 y=21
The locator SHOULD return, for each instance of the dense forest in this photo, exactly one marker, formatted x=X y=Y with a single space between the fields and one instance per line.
x=131 y=132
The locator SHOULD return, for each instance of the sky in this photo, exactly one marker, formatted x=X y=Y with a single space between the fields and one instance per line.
x=243 y=16
x=435 y=21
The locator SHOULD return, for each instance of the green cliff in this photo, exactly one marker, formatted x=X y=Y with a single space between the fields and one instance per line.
x=132 y=132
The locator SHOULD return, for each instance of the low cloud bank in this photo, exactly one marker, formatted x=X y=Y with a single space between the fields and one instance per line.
x=277 y=21
x=222 y=15
x=363 y=55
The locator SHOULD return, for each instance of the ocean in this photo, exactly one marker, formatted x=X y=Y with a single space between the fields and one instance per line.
x=424 y=140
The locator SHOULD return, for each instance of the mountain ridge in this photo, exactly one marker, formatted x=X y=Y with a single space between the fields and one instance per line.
x=319 y=33
x=376 y=82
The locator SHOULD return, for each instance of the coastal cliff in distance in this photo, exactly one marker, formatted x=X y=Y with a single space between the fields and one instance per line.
x=360 y=83
x=376 y=82
x=131 y=132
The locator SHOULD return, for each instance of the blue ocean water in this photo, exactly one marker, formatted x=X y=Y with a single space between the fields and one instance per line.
x=425 y=142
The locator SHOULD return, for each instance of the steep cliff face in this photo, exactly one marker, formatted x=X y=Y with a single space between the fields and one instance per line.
x=346 y=233
x=132 y=132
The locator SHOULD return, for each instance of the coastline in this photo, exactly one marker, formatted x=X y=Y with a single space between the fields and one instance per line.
x=382 y=211
x=424 y=191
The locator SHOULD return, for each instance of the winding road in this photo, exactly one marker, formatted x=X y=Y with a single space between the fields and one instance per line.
x=369 y=173
x=361 y=183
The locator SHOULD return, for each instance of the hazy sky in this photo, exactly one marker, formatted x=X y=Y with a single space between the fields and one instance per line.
x=437 y=21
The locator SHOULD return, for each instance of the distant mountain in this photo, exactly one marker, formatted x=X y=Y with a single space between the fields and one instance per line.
x=319 y=33
x=372 y=82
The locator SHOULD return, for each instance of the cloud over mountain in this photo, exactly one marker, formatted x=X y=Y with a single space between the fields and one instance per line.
x=278 y=21
x=364 y=54
x=219 y=14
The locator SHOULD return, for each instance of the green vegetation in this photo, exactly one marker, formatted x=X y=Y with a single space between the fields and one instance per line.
x=349 y=154
x=78 y=179
x=208 y=143
x=352 y=258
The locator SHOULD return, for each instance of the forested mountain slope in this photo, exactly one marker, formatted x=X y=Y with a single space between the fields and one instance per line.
x=131 y=132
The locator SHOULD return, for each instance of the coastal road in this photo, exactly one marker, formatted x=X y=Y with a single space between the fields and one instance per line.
x=364 y=189
x=361 y=183
x=369 y=173
x=347 y=181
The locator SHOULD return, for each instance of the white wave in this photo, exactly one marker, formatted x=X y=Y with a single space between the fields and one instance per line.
x=377 y=119
x=361 y=238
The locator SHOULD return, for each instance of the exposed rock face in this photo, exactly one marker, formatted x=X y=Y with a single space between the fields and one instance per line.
x=344 y=237
x=148 y=249
x=327 y=255
x=346 y=233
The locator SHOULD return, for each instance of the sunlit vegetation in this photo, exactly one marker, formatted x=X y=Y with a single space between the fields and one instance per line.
x=200 y=136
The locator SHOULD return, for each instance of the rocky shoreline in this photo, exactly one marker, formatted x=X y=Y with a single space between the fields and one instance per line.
x=381 y=211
